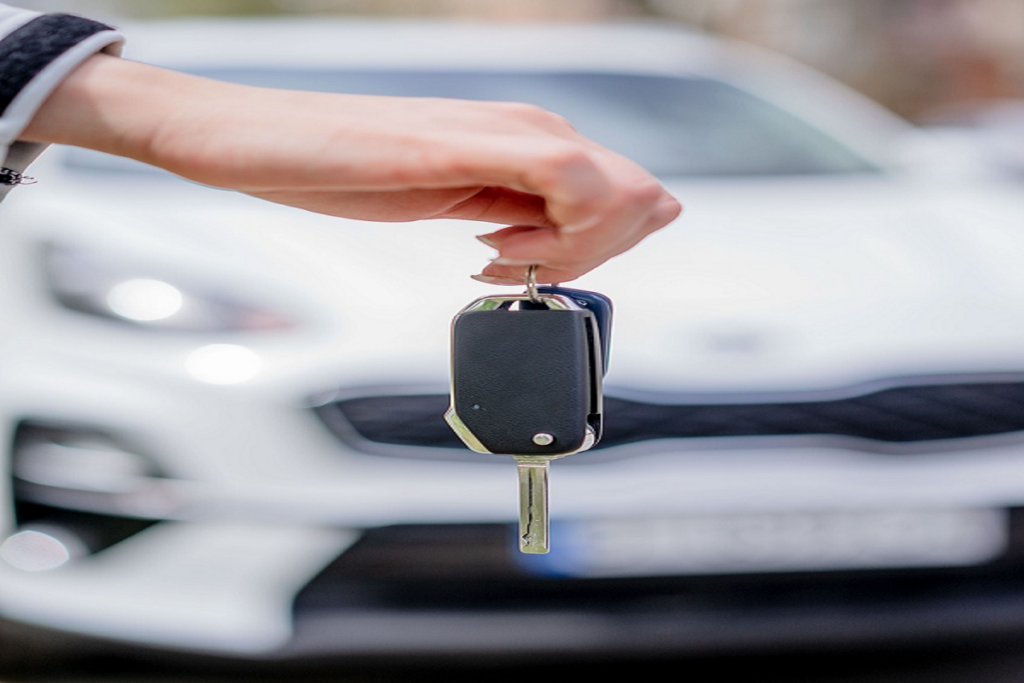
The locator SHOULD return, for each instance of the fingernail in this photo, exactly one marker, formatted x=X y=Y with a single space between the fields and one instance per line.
x=505 y=261
x=486 y=239
x=495 y=280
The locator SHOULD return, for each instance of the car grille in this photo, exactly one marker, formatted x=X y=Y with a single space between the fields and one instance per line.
x=902 y=412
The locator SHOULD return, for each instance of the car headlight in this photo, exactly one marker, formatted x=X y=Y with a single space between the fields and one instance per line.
x=159 y=298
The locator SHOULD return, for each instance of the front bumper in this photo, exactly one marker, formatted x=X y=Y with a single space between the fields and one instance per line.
x=250 y=568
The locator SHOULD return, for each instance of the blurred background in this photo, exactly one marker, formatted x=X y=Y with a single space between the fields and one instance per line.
x=928 y=60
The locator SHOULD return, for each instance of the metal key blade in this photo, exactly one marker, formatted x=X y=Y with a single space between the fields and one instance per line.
x=533 y=505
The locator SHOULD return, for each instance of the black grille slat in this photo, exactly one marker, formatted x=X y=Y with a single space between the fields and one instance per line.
x=908 y=413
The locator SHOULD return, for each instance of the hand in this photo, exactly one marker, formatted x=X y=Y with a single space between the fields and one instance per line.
x=571 y=204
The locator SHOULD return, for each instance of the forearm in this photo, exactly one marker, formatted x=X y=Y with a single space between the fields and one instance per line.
x=111 y=105
x=224 y=134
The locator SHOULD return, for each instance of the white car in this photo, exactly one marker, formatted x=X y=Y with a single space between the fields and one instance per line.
x=222 y=419
x=992 y=130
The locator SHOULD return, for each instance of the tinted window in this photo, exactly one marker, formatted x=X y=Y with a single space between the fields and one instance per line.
x=672 y=126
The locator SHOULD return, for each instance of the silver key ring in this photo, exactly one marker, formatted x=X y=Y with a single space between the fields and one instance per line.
x=531 y=284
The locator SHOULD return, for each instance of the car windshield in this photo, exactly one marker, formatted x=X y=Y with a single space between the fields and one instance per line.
x=673 y=126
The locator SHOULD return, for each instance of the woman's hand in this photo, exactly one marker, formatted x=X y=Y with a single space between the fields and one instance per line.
x=570 y=203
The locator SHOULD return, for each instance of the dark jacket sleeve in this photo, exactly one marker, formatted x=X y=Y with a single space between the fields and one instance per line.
x=37 y=51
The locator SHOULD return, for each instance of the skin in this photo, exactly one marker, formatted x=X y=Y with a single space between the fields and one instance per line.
x=569 y=204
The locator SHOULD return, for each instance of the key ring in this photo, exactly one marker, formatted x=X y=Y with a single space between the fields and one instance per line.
x=531 y=284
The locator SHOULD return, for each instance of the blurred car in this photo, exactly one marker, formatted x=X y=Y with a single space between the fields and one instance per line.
x=222 y=418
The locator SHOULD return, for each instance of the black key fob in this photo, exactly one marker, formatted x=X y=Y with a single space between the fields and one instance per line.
x=527 y=374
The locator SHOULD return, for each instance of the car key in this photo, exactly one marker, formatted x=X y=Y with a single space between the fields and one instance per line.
x=527 y=371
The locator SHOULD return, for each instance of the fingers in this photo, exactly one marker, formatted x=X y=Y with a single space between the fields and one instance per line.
x=501 y=205
x=536 y=170
x=578 y=185
x=604 y=204
x=563 y=256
